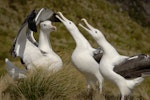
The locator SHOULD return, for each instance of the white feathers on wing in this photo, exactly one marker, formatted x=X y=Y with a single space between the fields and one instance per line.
x=14 y=71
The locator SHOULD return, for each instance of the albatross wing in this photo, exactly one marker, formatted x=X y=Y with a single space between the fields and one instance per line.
x=134 y=66
x=14 y=71
x=97 y=54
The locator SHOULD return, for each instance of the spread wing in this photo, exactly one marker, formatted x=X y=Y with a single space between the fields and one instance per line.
x=45 y=14
x=23 y=30
x=133 y=66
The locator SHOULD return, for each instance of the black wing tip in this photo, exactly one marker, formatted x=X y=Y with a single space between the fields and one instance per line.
x=31 y=22
x=32 y=26
x=54 y=18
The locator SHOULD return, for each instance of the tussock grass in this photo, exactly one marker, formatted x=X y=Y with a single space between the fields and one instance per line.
x=67 y=84
x=44 y=85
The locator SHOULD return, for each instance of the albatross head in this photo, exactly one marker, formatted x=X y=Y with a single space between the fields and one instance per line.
x=68 y=24
x=47 y=26
x=95 y=33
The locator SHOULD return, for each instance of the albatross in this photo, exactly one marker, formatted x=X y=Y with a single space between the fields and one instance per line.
x=46 y=56
x=125 y=71
x=32 y=20
x=41 y=55
x=82 y=56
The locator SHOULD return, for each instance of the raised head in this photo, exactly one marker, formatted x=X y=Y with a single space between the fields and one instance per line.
x=95 y=33
x=47 y=26
x=68 y=24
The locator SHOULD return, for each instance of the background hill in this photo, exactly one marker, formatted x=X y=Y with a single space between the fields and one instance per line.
x=124 y=33
x=138 y=10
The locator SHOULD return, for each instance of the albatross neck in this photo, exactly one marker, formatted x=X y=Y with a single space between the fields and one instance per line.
x=107 y=47
x=79 y=39
x=44 y=43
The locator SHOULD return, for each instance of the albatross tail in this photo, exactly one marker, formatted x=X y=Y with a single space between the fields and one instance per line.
x=14 y=71
x=134 y=82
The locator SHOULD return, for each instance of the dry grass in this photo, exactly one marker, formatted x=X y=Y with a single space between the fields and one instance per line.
x=67 y=84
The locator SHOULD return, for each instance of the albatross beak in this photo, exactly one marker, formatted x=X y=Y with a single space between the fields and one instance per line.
x=61 y=17
x=85 y=28
x=88 y=28
x=86 y=23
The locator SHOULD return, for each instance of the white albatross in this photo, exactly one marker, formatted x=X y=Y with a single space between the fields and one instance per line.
x=34 y=56
x=126 y=72
x=43 y=55
x=82 y=56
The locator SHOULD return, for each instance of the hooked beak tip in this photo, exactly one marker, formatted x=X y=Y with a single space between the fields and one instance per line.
x=58 y=12
x=83 y=19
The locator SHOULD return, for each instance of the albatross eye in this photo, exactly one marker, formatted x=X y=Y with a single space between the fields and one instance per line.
x=69 y=22
x=96 y=32
x=44 y=24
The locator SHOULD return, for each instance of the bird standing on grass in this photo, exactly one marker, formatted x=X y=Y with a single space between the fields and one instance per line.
x=34 y=55
x=82 y=56
x=126 y=72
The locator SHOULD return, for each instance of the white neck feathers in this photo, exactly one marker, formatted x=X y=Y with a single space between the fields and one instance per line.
x=107 y=47
x=44 y=43
x=79 y=39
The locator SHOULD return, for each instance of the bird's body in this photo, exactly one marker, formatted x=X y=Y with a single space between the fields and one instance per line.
x=82 y=56
x=46 y=56
x=34 y=56
x=116 y=67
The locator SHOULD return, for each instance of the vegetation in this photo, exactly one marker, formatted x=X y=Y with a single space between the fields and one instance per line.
x=128 y=37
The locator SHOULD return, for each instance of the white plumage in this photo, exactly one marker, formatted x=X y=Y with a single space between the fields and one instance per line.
x=33 y=56
x=82 y=56
x=126 y=72
x=43 y=55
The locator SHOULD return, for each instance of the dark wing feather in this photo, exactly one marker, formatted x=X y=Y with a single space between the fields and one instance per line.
x=22 y=29
x=53 y=18
x=30 y=38
x=133 y=68
x=42 y=15
x=31 y=23
x=47 y=14
x=12 y=49
x=97 y=54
